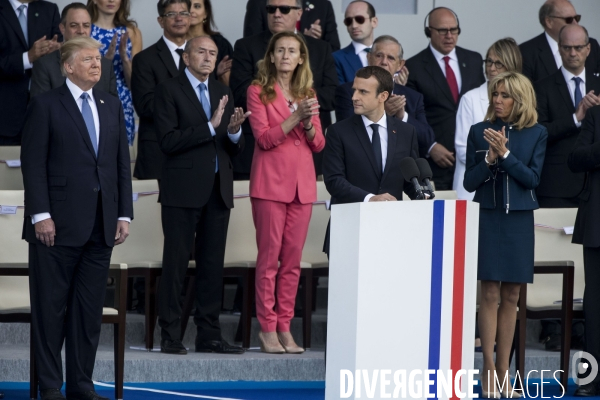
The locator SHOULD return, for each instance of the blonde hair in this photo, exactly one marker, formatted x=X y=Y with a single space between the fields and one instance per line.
x=70 y=48
x=508 y=53
x=519 y=88
x=302 y=78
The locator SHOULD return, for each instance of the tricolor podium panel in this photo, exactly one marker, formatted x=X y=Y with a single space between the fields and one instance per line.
x=402 y=297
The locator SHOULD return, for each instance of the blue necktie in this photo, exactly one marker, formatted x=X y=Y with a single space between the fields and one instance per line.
x=206 y=107
x=23 y=21
x=577 y=93
x=88 y=117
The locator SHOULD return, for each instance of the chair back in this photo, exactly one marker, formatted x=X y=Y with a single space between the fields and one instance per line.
x=313 y=248
x=241 y=234
x=11 y=178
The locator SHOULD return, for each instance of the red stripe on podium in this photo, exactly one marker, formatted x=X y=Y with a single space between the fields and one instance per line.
x=458 y=291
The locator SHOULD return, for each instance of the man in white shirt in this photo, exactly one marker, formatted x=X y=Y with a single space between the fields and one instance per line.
x=360 y=20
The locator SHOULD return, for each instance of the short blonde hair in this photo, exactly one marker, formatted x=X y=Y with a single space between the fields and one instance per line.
x=519 y=88
x=70 y=48
x=508 y=53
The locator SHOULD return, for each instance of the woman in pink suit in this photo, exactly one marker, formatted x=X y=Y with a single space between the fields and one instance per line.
x=285 y=123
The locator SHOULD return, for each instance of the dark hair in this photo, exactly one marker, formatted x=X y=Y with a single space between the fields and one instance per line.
x=370 y=8
x=587 y=36
x=121 y=18
x=208 y=25
x=383 y=76
x=69 y=7
x=298 y=3
x=389 y=38
x=546 y=10
x=162 y=5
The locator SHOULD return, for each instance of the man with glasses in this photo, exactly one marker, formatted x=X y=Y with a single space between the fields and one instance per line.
x=442 y=73
x=360 y=21
x=541 y=56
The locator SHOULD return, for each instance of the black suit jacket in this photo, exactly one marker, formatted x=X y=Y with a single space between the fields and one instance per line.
x=42 y=20
x=555 y=112
x=255 y=20
x=184 y=137
x=414 y=107
x=538 y=61
x=62 y=174
x=249 y=51
x=46 y=75
x=585 y=157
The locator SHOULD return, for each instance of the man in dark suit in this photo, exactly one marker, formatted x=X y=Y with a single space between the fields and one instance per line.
x=75 y=21
x=248 y=51
x=318 y=21
x=196 y=192
x=28 y=31
x=76 y=173
x=404 y=104
x=541 y=57
x=563 y=99
x=363 y=153
x=151 y=66
x=360 y=21
x=443 y=72
x=585 y=158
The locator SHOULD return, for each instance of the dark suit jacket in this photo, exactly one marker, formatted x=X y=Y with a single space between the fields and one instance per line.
x=255 y=20
x=249 y=51
x=184 y=137
x=347 y=62
x=151 y=66
x=61 y=172
x=586 y=158
x=42 y=20
x=555 y=112
x=538 y=61
x=414 y=108
x=46 y=75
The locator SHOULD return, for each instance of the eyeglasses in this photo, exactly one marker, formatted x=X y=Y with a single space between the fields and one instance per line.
x=578 y=49
x=283 y=9
x=172 y=15
x=359 y=20
x=488 y=63
x=444 y=31
x=568 y=20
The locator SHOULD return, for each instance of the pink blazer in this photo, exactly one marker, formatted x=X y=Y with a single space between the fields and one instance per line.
x=282 y=163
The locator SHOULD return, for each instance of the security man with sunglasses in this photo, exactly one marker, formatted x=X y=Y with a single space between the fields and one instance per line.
x=541 y=56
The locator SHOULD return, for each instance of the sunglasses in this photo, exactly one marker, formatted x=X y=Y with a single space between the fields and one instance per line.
x=359 y=20
x=569 y=20
x=283 y=9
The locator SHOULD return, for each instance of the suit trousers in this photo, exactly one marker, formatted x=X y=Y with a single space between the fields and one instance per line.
x=67 y=287
x=281 y=230
x=209 y=223
x=591 y=300
x=442 y=177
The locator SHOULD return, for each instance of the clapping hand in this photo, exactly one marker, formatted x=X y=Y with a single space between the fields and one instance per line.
x=588 y=101
x=237 y=119
x=123 y=47
x=218 y=114
x=307 y=108
x=41 y=47
x=497 y=141
x=395 y=105
x=224 y=66
x=401 y=76
x=315 y=30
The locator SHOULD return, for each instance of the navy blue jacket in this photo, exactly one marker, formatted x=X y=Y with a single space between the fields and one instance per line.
x=347 y=62
x=522 y=167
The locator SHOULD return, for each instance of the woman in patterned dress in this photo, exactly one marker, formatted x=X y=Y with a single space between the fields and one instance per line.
x=122 y=40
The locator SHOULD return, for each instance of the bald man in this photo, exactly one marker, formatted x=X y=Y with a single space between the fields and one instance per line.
x=442 y=73
x=541 y=57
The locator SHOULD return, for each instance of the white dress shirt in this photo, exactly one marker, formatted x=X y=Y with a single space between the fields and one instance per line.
x=16 y=4
x=76 y=91
x=571 y=85
x=383 y=136
x=172 y=47
x=554 y=47
x=361 y=52
x=453 y=64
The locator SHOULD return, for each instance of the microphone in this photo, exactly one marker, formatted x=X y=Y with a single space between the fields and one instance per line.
x=410 y=171
x=425 y=176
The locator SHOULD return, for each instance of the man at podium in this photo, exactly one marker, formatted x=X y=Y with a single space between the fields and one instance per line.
x=361 y=160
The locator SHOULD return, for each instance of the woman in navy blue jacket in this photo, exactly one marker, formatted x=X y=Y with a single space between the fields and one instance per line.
x=505 y=155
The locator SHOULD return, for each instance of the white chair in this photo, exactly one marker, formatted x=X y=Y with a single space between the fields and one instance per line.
x=10 y=177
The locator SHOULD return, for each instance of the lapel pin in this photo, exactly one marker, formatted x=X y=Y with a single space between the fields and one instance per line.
x=393 y=131
x=596 y=74
x=101 y=101
x=464 y=65
x=37 y=15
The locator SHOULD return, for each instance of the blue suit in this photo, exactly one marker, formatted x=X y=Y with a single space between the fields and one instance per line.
x=347 y=62
x=414 y=107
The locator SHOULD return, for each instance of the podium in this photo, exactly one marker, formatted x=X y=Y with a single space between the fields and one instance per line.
x=402 y=298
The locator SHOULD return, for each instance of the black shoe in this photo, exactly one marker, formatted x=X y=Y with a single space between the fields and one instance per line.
x=51 y=394
x=218 y=346
x=589 y=390
x=553 y=342
x=91 y=395
x=1 y=395
x=172 y=347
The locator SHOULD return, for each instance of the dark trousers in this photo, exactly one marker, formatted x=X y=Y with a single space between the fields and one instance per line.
x=442 y=177
x=591 y=300
x=209 y=223
x=558 y=202
x=67 y=287
x=10 y=140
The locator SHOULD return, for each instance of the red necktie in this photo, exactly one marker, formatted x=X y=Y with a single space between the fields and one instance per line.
x=451 y=79
x=298 y=27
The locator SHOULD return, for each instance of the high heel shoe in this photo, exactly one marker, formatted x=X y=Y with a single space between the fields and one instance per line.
x=490 y=395
x=265 y=348
x=293 y=348
x=512 y=394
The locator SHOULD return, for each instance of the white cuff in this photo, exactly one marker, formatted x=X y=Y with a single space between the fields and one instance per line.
x=577 y=123
x=26 y=64
x=368 y=197
x=212 y=129
x=125 y=219
x=35 y=218
x=235 y=137
x=405 y=118
x=429 y=151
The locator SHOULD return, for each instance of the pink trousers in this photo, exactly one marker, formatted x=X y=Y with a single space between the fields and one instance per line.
x=281 y=230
